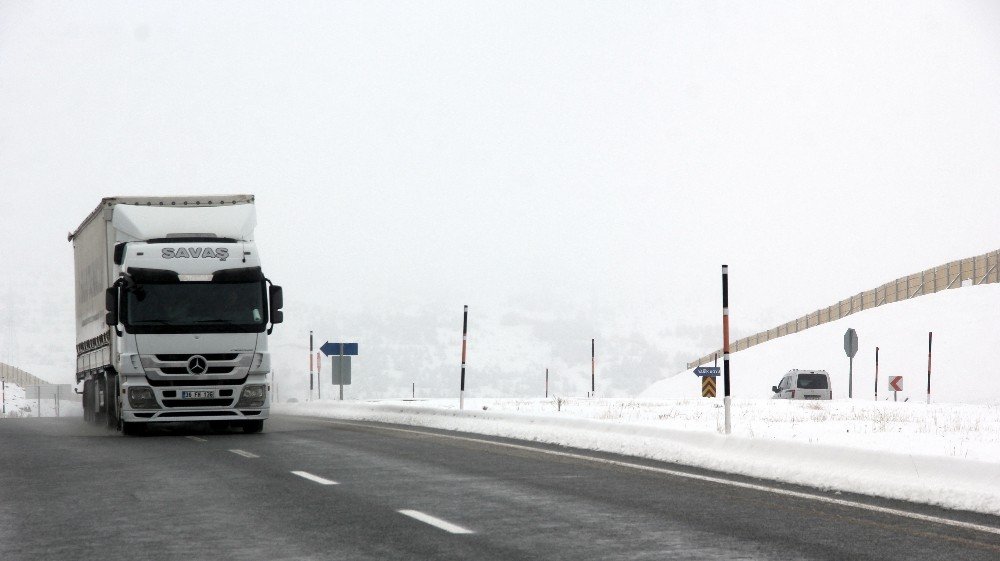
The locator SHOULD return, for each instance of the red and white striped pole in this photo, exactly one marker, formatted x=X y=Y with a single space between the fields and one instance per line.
x=319 y=377
x=725 y=348
x=465 y=337
x=930 y=339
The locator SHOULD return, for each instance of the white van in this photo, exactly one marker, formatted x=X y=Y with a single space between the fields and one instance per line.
x=804 y=384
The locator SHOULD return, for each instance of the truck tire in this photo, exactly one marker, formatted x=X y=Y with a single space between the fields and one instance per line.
x=250 y=427
x=111 y=400
x=88 y=402
x=99 y=413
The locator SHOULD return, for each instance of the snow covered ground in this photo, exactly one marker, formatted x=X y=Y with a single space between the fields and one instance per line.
x=942 y=454
x=17 y=404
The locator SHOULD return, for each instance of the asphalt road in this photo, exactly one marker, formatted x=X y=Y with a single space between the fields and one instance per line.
x=321 y=489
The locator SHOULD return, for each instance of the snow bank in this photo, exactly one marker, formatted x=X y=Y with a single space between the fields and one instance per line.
x=941 y=455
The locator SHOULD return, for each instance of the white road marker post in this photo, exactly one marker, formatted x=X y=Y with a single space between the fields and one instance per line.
x=876 y=373
x=727 y=400
x=465 y=336
x=310 y=365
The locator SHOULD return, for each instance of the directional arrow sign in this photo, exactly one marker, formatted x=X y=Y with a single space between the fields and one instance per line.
x=332 y=349
x=707 y=371
x=895 y=383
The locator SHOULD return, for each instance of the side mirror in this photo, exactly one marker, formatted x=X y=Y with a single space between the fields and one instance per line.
x=277 y=302
x=774 y=389
x=111 y=305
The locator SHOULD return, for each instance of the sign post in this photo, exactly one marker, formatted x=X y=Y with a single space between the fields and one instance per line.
x=895 y=386
x=340 y=363
x=851 y=348
x=708 y=375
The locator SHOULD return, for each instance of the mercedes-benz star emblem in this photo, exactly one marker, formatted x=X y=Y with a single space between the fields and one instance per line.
x=197 y=365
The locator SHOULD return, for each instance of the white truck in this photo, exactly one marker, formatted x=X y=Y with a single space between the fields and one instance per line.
x=173 y=313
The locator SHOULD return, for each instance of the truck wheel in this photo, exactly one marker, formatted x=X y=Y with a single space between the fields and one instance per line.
x=250 y=427
x=111 y=400
x=88 y=403
x=96 y=390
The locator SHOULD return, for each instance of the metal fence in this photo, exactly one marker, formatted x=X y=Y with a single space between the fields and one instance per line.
x=981 y=269
x=49 y=400
x=20 y=377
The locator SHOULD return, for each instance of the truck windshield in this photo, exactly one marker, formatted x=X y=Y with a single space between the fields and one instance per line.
x=196 y=307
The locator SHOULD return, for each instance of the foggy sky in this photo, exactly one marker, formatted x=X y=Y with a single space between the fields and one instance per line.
x=595 y=161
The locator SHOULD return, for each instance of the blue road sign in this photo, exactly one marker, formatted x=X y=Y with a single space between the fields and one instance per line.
x=333 y=349
x=707 y=371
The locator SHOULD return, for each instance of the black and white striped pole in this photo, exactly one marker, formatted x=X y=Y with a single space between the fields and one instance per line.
x=727 y=401
x=310 y=365
x=465 y=336
x=593 y=363
x=930 y=339
x=546 y=383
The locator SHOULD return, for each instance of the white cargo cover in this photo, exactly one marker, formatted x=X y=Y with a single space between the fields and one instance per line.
x=151 y=222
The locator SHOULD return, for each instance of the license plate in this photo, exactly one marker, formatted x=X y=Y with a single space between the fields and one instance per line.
x=198 y=395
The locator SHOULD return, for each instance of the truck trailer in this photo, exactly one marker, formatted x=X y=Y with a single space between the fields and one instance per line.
x=173 y=312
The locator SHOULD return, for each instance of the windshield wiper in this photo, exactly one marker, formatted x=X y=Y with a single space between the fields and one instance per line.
x=215 y=320
x=160 y=321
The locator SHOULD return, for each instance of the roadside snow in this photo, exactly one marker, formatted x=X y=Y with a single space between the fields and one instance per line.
x=942 y=454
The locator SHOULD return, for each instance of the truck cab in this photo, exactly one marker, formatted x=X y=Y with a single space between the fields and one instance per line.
x=187 y=315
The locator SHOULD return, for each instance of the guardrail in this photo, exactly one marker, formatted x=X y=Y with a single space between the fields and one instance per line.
x=971 y=271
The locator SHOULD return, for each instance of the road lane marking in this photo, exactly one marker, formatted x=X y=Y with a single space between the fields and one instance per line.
x=244 y=453
x=698 y=477
x=315 y=478
x=436 y=522
x=196 y=438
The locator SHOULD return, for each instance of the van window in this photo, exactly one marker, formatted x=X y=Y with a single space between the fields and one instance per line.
x=813 y=382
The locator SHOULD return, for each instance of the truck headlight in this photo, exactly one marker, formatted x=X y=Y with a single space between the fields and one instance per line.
x=252 y=396
x=142 y=398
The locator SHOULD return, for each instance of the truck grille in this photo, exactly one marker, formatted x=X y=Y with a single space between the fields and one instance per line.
x=164 y=367
x=209 y=357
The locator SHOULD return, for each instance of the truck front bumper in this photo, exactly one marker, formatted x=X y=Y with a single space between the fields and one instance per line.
x=215 y=402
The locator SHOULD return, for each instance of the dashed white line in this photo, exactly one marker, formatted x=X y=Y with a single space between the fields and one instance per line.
x=436 y=522
x=196 y=438
x=315 y=478
x=244 y=453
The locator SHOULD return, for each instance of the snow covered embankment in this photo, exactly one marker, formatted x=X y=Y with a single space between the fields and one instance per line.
x=863 y=463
